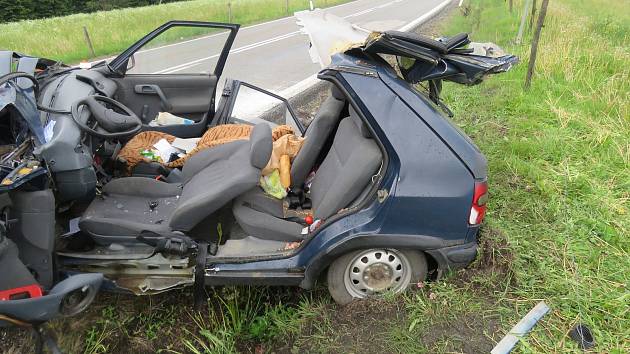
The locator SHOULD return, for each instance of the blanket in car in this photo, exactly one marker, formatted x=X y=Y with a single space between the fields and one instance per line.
x=131 y=153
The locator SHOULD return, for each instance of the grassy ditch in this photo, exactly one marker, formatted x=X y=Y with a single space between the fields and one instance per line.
x=111 y=32
x=559 y=162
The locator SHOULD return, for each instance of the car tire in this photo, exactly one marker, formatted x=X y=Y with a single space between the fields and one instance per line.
x=372 y=272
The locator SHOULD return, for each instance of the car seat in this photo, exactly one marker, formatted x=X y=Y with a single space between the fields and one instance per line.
x=211 y=179
x=352 y=160
x=317 y=135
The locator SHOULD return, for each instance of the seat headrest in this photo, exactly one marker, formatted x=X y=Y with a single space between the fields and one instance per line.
x=261 y=144
x=336 y=93
x=359 y=123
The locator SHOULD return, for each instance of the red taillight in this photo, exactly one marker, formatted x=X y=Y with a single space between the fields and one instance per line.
x=478 y=208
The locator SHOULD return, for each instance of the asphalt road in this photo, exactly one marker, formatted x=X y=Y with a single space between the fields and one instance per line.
x=274 y=55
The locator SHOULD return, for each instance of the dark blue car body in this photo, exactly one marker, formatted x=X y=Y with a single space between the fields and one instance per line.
x=429 y=195
x=424 y=197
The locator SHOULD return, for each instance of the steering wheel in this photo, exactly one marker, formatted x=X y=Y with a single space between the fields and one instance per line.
x=111 y=123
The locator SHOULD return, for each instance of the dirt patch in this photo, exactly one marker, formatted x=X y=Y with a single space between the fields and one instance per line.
x=360 y=327
x=494 y=251
x=15 y=340
x=467 y=334
x=364 y=326
x=113 y=323
x=494 y=260
x=474 y=331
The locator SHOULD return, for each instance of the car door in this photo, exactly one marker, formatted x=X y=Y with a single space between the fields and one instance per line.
x=242 y=102
x=175 y=69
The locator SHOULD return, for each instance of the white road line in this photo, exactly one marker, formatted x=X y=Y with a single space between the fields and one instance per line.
x=233 y=51
x=224 y=32
x=240 y=30
x=190 y=64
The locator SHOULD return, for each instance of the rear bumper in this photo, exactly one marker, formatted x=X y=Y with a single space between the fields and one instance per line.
x=454 y=257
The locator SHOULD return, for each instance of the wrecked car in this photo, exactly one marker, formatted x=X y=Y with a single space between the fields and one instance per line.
x=382 y=191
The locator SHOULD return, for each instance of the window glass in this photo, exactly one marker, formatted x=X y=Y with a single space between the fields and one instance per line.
x=255 y=106
x=180 y=50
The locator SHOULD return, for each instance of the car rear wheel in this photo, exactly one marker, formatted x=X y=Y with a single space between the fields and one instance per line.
x=373 y=272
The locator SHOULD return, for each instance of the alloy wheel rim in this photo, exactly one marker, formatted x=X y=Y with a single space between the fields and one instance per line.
x=377 y=271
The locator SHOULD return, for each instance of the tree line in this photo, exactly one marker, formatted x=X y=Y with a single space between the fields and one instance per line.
x=15 y=10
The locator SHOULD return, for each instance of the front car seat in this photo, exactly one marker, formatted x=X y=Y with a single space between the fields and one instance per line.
x=317 y=134
x=211 y=179
x=352 y=160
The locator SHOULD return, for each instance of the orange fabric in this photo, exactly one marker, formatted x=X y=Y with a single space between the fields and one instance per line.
x=221 y=134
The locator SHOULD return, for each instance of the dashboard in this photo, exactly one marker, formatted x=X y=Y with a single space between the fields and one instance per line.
x=68 y=158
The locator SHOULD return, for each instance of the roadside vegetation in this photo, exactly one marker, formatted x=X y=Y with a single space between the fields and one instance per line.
x=559 y=167
x=557 y=229
x=62 y=38
x=29 y=9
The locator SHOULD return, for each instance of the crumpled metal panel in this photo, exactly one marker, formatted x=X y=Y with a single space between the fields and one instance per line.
x=151 y=275
x=20 y=94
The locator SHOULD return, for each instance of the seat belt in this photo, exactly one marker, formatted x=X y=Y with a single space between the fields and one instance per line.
x=297 y=198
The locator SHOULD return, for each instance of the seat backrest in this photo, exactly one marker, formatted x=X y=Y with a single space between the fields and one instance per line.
x=349 y=166
x=215 y=176
x=317 y=134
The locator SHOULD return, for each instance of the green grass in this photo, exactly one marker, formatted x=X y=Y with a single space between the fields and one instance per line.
x=62 y=38
x=243 y=315
x=559 y=167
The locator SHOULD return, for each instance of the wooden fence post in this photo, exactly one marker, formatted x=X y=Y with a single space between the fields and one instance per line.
x=511 y=5
x=89 y=41
x=533 y=15
x=229 y=12
x=521 y=27
x=287 y=7
x=535 y=40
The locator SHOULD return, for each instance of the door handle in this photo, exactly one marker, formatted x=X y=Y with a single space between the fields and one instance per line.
x=151 y=89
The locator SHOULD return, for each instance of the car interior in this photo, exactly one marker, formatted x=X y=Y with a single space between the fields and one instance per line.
x=216 y=195
x=332 y=172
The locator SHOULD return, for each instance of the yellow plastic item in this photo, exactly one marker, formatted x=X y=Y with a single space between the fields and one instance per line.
x=285 y=171
x=272 y=186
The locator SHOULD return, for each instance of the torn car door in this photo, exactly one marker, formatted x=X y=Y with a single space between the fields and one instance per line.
x=175 y=69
